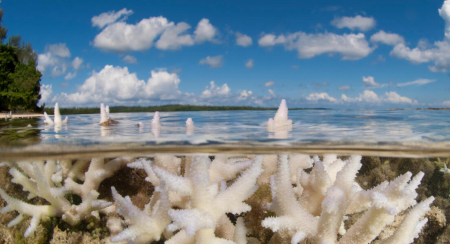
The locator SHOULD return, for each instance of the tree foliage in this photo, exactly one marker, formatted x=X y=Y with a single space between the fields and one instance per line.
x=19 y=78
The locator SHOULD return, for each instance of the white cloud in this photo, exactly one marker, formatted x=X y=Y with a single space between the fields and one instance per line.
x=353 y=23
x=249 y=64
x=444 y=12
x=243 y=40
x=394 y=97
x=272 y=93
x=215 y=91
x=59 y=49
x=344 y=88
x=173 y=37
x=64 y=84
x=129 y=59
x=45 y=60
x=269 y=40
x=59 y=69
x=439 y=53
x=349 y=46
x=53 y=56
x=371 y=97
x=446 y=103
x=295 y=67
x=315 y=97
x=387 y=38
x=110 y=17
x=123 y=37
x=213 y=62
x=245 y=94
x=117 y=85
x=70 y=75
x=76 y=63
x=269 y=83
x=205 y=31
x=56 y=59
x=417 y=82
x=369 y=81
x=46 y=92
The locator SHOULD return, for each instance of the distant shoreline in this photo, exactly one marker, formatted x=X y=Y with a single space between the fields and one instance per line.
x=21 y=115
x=164 y=108
x=418 y=109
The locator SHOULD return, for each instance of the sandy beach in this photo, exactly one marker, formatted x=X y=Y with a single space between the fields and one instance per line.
x=21 y=115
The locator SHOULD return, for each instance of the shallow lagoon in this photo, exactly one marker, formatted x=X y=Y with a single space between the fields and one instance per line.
x=420 y=137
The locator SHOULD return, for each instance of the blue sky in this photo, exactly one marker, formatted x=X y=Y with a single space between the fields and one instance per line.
x=314 y=54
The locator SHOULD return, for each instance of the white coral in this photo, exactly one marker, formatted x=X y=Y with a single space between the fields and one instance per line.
x=45 y=180
x=336 y=192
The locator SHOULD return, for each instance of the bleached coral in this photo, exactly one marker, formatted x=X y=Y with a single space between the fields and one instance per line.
x=45 y=180
x=57 y=120
x=189 y=126
x=299 y=220
x=280 y=125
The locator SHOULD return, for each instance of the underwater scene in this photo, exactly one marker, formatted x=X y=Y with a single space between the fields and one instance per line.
x=301 y=176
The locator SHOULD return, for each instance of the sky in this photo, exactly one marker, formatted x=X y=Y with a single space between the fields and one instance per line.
x=336 y=54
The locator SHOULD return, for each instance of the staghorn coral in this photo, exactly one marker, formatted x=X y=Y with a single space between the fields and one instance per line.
x=343 y=197
x=45 y=180
x=200 y=199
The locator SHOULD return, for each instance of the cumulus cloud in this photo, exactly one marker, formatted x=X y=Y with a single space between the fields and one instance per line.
x=70 y=75
x=110 y=17
x=205 y=31
x=353 y=23
x=118 y=85
x=56 y=59
x=123 y=37
x=213 y=62
x=53 y=56
x=444 y=12
x=371 y=97
x=249 y=64
x=315 y=97
x=129 y=59
x=344 y=88
x=269 y=83
x=387 y=38
x=349 y=46
x=59 y=49
x=369 y=81
x=46 y=92
x=175 y=37
x=243 y=95
x=215 y=91
x=269 y=40
x=446 y=103
x=295 y=67
x=417 y=82
x=243 y=40
x=64 y=84
x=439 y=53
x=76 y=63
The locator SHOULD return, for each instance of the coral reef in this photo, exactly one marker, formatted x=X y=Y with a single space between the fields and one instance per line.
x=223 y=199
x=56 y=116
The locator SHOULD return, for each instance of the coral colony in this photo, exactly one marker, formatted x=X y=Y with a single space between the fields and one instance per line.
x=57 y=118
x=202 y=199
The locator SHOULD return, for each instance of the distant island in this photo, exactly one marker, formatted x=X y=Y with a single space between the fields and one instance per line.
x=418 y=108
x=163 y=108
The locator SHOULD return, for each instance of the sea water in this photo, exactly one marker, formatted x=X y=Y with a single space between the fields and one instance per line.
x=391 y=142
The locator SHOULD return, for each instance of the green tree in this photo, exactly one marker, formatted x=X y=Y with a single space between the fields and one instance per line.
x=19 y=79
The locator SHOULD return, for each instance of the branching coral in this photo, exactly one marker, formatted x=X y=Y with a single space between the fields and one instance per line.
x=45 y=180
x=336 y=199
